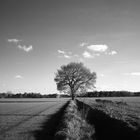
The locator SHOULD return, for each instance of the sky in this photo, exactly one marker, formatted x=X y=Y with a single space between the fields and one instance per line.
x=38 y=36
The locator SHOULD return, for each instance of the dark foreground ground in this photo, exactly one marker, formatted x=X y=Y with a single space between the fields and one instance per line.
x=107 y=127
x=42 y=120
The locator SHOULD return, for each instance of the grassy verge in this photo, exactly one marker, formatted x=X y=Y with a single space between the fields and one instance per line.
x=75 y=126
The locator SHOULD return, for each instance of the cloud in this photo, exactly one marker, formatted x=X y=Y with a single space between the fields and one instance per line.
x=87 y=55
x=83 y=44
x=102 y=75
x=133 y=74
x=25 y=48
x=65 y=54
x=21 y=45
x=14 y=40
x=18 y=77
x=61 y=52
x=112 y=53
x=98 y=48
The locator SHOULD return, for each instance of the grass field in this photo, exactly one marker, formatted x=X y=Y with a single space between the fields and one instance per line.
x=135 y=101
x=126 y=109
x=40 y=119
x=114 y=118
x=20 y=117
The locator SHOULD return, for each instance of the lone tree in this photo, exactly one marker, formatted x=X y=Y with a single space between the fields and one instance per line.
x=74 y=77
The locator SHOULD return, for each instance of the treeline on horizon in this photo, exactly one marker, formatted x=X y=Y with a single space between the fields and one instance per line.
x=88 y=94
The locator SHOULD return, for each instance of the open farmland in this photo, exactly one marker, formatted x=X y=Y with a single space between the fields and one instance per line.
x=56 y=118
x=127 y=108
x=135 y=101
x=122 y=110
x=20 y=117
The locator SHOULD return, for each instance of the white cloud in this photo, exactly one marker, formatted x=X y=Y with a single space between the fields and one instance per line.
x=25 y=48
x=61 y=52
x=18 y=77
x=92 y=51
x=83 y=44
x=102 y=75
x=87 y=55
x=133 y=74
x=14 y=40
x=98 y=48
x=21 y=46
x=67 y=56
x=112 y=53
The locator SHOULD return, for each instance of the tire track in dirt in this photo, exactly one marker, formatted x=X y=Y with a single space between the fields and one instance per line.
x=26 y=119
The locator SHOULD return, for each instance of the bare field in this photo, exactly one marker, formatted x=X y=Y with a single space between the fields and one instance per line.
x=20 y=117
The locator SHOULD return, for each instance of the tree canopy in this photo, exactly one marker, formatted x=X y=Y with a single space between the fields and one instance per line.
x=74 y=77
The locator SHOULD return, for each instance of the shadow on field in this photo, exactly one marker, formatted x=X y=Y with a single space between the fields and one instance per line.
x=107 y=127
x=51 y=126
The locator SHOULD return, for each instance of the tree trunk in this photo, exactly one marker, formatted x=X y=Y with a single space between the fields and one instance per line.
x=72 y=93
x=72 y=96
